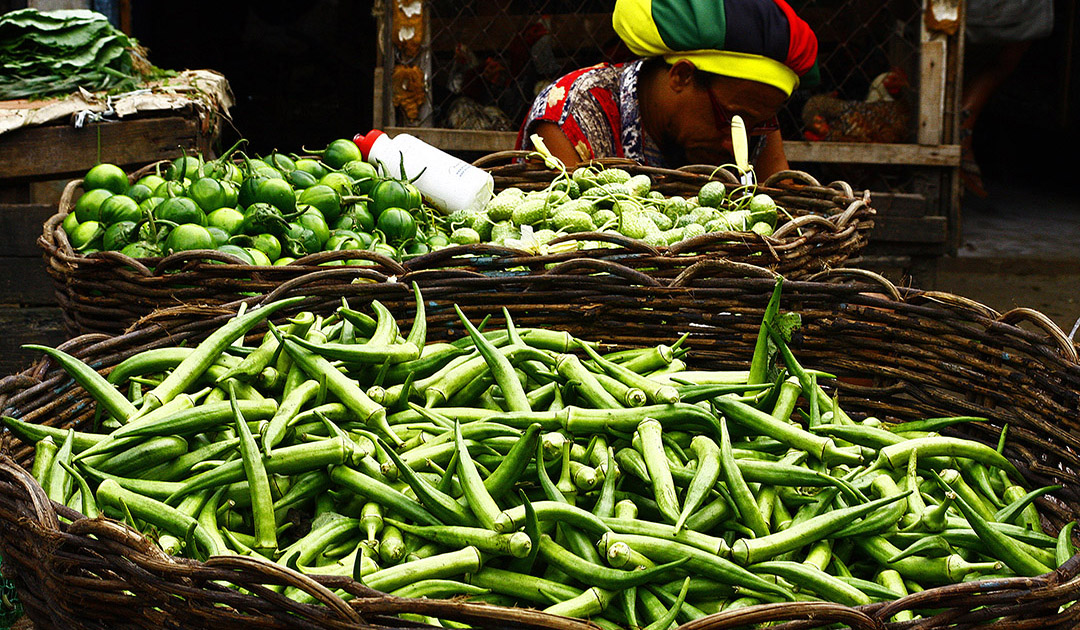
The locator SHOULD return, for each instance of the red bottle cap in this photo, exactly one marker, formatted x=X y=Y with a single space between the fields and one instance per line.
x=365 y=141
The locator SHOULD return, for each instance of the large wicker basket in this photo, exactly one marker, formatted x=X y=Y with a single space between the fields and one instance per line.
x=108 y=291
x=898 y=353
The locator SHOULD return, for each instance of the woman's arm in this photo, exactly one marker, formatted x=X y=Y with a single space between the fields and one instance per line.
x=557 y=143
x=772 y=158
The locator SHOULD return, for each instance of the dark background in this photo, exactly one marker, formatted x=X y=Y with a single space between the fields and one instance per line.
x=301 y=71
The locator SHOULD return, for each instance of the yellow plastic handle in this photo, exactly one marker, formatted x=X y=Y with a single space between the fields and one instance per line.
x=739 y=144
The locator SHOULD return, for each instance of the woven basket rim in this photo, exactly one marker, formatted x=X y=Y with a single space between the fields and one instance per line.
x=1066 y=578
x=855 y=214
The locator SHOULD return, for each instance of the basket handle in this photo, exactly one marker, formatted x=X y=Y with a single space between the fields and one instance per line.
x=1042 y=321
x=711 y=172
x=710 y=265
x=478 y=615
x=845 y=188
x=822 y=614
x=609 y=237
x=779 y=176
x=849 y=212
x=177 y=259
x=608 y=266
x=351 y=272
x=957 y=300
x=692 y=244
x=827 y=274
x=127 y=261
x=294 y=578
x=805 y=220
x=497 y=157
x=439 y=256
x=319 y=258
x=146 y=170
x=67 y=197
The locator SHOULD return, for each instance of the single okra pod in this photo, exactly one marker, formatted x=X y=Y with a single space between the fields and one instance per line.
x=208 y=350
x=100 y=389
x=663 y=486
x=515 y=544
x=450 y=564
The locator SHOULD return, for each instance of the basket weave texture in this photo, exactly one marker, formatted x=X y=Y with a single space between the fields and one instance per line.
x=899 y=354
x=107 y=291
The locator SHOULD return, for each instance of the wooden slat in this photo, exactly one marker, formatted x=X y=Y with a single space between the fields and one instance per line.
x=23 y=279
x=27 y=325
x=863 y=153
x=797 y=150
x=25 y=282
x=922 y=230
x=55 y=151
x=20 y=225
x=899 y=204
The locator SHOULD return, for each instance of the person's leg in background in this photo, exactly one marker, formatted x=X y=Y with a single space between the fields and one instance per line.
x=994 y=63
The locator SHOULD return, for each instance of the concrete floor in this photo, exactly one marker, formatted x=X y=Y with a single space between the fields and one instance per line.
x=1020 y=248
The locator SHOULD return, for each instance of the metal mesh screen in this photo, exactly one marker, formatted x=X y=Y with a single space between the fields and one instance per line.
x=489 y=58
x=867 y=51
x=484 y=60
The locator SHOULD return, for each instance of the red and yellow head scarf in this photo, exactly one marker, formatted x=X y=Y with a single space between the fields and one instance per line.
x=760 y=40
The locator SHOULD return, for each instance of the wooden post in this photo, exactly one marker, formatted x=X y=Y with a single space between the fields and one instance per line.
x=941 y=18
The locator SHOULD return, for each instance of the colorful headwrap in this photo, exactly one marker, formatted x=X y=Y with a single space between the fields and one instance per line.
x=760 y=40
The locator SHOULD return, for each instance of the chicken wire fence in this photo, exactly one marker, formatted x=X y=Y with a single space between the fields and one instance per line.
x=477 y=64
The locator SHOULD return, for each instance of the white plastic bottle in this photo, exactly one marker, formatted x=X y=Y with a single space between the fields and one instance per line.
x=448 y=183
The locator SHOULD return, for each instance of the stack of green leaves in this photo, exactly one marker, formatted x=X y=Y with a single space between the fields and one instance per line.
x=50 y=53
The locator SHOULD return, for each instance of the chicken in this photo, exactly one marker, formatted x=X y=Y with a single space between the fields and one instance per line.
x=473 y=83
x=468 y=113
x=885 y=116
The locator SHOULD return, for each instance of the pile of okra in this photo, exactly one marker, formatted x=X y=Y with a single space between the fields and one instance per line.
x=526 y=467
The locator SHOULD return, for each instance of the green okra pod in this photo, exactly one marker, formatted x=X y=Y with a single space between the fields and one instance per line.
x=747 y=551
x=100 y=389
x=208 y=350
x=515 y=544
x=999 y=545
x=741 y=495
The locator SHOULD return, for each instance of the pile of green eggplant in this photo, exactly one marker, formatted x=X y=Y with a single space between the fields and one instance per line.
x=264 y=210
x=528 y=467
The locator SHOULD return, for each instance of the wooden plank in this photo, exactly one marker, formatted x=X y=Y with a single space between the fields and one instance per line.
x=932 y=61
x=42 y=326
x=899 y=204
x=866 y=153
x=20 y=226
x=922 y=230
x=797 y=150
x=24 y=281
x=460 y=139
x=377 y=100
x=56 y=151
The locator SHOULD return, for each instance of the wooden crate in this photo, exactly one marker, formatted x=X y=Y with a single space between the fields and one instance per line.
x=32 y=161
